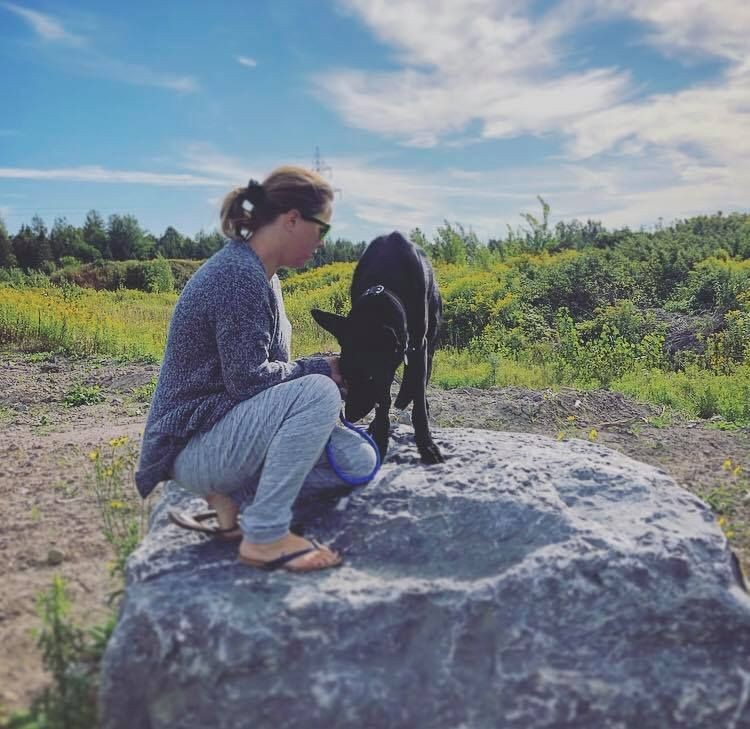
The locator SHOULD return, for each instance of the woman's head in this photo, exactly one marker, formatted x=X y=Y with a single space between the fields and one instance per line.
x=285 y=189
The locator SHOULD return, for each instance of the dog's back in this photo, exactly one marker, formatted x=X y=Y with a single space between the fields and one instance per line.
x=404 y=269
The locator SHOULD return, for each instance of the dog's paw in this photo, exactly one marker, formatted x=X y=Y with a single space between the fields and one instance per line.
x=430 y=453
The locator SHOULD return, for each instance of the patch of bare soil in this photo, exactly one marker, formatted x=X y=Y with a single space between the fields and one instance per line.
x=50 y=524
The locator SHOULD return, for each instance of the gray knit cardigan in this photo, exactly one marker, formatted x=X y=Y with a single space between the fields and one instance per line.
x=228 y=340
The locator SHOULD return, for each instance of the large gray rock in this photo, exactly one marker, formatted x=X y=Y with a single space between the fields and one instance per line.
x=524 y=583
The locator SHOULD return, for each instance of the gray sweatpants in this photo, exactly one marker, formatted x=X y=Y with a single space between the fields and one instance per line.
x=265 y=450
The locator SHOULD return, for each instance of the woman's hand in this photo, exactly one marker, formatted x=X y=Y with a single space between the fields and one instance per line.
x=335 y=365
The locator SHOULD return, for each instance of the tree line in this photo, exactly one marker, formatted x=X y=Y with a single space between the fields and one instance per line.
x=121 y=238
x=670 y=249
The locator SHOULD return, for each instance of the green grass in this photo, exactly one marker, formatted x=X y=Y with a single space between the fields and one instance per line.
x=696 y=393
x=518 y=348
x=83 y=395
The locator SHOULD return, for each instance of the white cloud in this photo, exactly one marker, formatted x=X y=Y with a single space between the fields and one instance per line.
x=379 y=198
x=45 y=26
x=101 y=174
x=688 y=28
x=481 y=60
x=486 y=64
x=205 y=159
x=135 y=74
x=247 y=61
x=93 y=63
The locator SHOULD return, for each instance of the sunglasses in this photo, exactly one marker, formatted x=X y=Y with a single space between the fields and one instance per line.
x=324 y=227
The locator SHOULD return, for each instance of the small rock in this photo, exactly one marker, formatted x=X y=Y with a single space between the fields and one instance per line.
x=55 y=557
x=20 y=407
x=403 y=417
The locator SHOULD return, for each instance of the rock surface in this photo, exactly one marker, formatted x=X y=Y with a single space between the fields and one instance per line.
x=523 y=583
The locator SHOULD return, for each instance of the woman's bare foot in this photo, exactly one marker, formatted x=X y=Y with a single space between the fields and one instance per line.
x=226 y=510
x=320 y=558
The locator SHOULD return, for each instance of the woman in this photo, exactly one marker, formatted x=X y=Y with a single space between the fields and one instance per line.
x=232 y=419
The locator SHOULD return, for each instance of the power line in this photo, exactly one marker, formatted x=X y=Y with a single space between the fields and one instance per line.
x=320 y=166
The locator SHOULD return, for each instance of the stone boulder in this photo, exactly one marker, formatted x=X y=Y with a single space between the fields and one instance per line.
x=523 y=583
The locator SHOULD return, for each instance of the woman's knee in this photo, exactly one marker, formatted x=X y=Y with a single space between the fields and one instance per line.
x=366 y=460
x=324 y=394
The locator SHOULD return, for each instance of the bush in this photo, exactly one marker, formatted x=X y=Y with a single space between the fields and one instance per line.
x=72 y=655
x=157 y=275
x=579 y=282
x=716 y=284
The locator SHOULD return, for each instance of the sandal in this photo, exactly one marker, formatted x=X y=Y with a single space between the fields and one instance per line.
x=279 y=562
x=194 y=523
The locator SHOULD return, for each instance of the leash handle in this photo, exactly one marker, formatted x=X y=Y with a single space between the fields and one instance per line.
x=353 y=480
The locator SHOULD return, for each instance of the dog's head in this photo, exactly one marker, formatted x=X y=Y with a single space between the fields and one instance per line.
x=373 y=340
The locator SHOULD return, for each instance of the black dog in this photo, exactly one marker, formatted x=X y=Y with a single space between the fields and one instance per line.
x=395 y=317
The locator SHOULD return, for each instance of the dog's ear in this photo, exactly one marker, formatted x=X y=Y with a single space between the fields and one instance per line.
x=333 y=323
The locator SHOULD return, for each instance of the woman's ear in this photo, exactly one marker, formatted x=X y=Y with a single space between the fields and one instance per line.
x=290 y=219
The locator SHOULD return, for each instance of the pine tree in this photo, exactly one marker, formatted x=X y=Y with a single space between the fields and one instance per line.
x=7 y=257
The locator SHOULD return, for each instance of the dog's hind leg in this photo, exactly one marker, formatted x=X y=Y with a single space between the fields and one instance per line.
x=427 y=449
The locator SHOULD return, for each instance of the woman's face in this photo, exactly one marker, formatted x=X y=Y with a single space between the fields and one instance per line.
x=306 y=236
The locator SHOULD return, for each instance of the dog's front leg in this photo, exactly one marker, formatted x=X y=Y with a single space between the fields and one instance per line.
x=380 y=427
x=427 y=449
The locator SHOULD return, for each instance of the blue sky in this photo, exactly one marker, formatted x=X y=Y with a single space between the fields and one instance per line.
x=623 y=111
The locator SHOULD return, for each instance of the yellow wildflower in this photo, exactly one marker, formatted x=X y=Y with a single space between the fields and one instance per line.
x=593 y=434
x=737 y=470
x=94 y=456
x=571 y=418
x=727 y=465
x=114 y=504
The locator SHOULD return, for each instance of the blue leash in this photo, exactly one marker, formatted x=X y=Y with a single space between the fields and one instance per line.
x=351 y=480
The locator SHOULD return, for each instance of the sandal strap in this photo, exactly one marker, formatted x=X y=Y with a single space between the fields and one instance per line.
x=194 y=522
x=274 y=564
x=211 y=514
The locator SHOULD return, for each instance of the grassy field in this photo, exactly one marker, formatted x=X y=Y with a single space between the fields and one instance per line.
x=493 y=336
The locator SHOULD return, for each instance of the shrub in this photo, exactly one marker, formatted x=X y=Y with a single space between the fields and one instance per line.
x=72 y=656
x=157 y=275
x=579 y=282
x=716 y=284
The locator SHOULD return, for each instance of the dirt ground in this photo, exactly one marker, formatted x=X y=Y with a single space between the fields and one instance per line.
x=50 y=525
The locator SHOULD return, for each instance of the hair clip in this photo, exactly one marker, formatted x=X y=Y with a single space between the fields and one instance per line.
x=255 y=192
